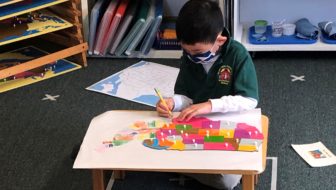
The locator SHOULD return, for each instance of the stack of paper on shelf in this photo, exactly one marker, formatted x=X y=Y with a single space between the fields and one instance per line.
x=143 y=29
x=139 y=22
x=113 y=26
x=104 y=25
x=96 y=13
x=151 y=34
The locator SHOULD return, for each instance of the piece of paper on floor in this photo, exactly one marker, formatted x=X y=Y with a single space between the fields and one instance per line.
x=315 y=154
x=137 y=82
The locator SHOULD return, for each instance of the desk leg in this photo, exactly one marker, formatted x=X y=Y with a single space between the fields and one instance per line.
x=256 y=178
x=98 y=179
x=248 y=182
x=119 y=174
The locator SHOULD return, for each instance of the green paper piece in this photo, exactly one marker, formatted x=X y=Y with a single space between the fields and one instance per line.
x=183 y=127
x=214 y=139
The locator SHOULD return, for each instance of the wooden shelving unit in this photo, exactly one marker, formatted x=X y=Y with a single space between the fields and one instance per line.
x=70 y=38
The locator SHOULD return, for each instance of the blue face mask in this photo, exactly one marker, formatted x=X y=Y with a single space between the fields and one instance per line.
x=203 y=58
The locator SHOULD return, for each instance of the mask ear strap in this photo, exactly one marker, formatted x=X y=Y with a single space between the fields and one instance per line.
x=214 y=53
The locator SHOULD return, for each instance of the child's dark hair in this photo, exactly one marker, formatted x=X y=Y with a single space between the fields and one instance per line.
x=199 y=21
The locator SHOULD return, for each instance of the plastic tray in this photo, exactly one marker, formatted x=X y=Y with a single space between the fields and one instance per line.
x=269 y=39
x=325 y=38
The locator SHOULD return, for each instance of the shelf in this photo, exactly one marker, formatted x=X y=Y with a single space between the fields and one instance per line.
x=174 y=54
x=8 y=2
x=164 y=54
x=44 y=72
x=318 y=46
x=50 y=23
x=71 y=39
x=22 y=7
x=52 y=57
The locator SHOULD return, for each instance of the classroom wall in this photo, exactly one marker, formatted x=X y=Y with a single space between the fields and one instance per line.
x=291 y=10
x=172 y=7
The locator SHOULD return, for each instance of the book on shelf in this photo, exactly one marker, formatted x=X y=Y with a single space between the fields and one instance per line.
x=139 y=22
x=166 y=36
x=124 y=26
x=113 y=26
x=143 y=29
x=151 y=34
x=104 y=25
x=96 y=14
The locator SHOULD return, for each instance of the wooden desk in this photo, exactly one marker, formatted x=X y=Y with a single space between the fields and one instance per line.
x=85 y=159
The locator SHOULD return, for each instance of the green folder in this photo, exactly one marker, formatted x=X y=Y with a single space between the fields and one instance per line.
x=139 y=22
x=141 y=33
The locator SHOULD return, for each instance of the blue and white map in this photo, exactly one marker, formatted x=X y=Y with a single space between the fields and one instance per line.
x=137 y=82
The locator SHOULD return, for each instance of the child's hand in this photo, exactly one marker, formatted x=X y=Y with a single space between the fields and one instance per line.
x=194 y=110
x=162 y=109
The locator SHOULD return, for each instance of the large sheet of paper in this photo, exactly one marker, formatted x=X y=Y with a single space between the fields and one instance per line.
x=137 y=82
x=135 y=156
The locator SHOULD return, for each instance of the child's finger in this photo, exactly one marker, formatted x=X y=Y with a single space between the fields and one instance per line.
x=162 y=107
x=159 y=105
x=187 y=114
x=162 y=111
x=164 y=115
x=190 y=115
x=182 y=115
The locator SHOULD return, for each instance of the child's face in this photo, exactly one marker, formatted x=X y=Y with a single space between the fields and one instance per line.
x=200 y=52
x=199 y=48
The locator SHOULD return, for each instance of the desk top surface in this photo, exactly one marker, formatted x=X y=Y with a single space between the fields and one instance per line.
x=135 y=156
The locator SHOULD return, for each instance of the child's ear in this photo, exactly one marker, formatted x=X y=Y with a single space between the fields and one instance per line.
x=221 y=40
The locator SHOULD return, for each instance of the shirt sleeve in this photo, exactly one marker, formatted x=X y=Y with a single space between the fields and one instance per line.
x=245 y=77
x=181 y=102
x=233 y=104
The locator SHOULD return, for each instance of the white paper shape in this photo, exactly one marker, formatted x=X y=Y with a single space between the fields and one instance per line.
x=137 y=82
x=315 y=154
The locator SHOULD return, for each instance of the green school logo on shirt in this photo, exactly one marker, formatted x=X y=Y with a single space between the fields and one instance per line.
x=224 y=74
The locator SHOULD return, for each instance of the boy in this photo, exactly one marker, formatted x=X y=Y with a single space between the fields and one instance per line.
x=216 y=74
